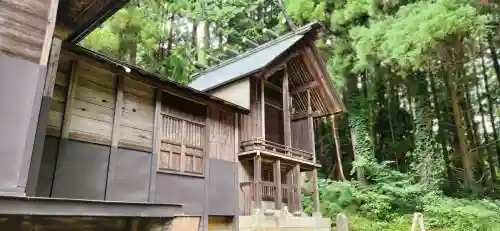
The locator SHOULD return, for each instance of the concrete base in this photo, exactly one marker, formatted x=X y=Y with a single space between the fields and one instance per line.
x=282 y=221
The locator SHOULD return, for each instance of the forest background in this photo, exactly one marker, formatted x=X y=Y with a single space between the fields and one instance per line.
x=420 y=79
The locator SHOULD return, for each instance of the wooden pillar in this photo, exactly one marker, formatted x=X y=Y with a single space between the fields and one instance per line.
x=48 y=92
x=316 y=201
x=277 y=181
x=298 y=187
x=286 y=110
x=262 y=109
x=257 y=173
x=310 y=126
x=290 y=188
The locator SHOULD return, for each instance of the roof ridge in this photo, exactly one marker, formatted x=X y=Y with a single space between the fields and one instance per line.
x=300 y=30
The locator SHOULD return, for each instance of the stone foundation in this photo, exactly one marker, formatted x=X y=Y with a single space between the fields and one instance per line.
x=273 y=220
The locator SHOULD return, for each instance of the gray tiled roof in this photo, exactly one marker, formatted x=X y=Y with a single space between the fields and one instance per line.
x=247 y=62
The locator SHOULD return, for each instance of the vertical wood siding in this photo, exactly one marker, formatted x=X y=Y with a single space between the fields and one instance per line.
x=251 y=123
x=300 y=135
x=221 y=134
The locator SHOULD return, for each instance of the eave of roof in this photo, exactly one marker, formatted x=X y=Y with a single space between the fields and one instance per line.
x=203 y=75
x=109 y=60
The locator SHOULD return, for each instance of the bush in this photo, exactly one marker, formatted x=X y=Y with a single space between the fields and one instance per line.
x=390 y=206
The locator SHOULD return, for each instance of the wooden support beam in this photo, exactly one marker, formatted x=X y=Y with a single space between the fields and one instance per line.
x=277 y=180
x=278 y=107
x=316 y=201
x=262 y=109
x=70 y=95
x=118 y=111
x=298 y=188
x=280 y=65
x=273 y=86
x=310 y=126
x=115 y=135
x=303 y=115
x=257 y=171
x=287 y=127
x=156 y=144
x=305 y=87
x=50 y=80
x=49 y=32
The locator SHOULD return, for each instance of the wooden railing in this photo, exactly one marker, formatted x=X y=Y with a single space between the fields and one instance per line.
x=261 y=144
x=268 y=193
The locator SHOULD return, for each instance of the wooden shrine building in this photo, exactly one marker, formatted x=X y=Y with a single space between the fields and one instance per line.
x=89 y=143
x=285 y=86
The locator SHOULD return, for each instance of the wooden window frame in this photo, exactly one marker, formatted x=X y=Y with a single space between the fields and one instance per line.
x=161 y=115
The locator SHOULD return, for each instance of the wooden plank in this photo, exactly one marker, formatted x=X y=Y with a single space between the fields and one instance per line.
x=132 y=136
x=103 y=78
x=49 y=31
x=38 y=8
x=277 y=181
x=69 y=100
x=50 y=80
x=115 y=136
x=90 y=127
x=93 y=93
x=92 y=111
x=138 y=113
x=139 y=89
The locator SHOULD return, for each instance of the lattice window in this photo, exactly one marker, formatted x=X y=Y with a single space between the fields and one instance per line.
x=182 y=137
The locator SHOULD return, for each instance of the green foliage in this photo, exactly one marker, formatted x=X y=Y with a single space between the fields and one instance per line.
x=378 y=207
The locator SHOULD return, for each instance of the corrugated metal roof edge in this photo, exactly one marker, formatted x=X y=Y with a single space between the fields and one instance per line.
x=300 y=31
x=85 y=51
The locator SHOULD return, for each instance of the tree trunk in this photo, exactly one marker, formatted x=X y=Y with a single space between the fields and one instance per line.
x=490 y=110
x=468 y=172
x=472 y=132
x=493 y=175
x=494 y=56
x=338 y=154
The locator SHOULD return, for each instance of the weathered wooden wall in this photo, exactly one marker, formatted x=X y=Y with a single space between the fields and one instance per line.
x=300 y=135
x=23 y=26
x=221 y=134
x=92 y=102
x=105 y=126
x=250 y=125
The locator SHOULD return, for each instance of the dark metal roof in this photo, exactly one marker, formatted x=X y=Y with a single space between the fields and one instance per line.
x=106 y=59
x=248 y=62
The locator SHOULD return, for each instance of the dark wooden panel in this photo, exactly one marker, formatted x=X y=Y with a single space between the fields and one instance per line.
x=185 y=190
x=47 y=167
x=21 y=87
x=81 y=170
x=300 y=135
x=222 y=198
x=130 y=181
